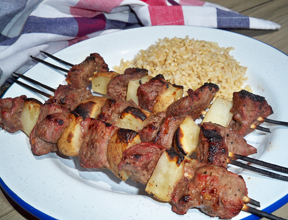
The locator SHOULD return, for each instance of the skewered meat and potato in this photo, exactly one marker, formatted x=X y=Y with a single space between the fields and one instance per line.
x=101 y=142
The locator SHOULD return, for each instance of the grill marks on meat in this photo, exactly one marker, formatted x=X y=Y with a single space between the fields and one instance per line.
x=147 y=93
x=79 y=75
x=11 y=109
x=51 y=123
x=247 y=107
x=195 y=102
x=216 y=141
x=93 y=152
x=117 y=87
x=213 y=189
x=69 y=96
x=212 y=148
x=141 y=160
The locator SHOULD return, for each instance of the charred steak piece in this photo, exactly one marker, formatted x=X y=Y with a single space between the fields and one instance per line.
x=213 y=189
x=79 y=75
x=68 y=96
x=51 y=123
x=212 y=148
x=141 y=160
x=194 y=103
x=216 y=141
x=52 y=126
x=10 y=113
x=152 y=126
x=93 y=152
x=247 y=107
x=117 y=87
x=167 y=130
x=148 y=92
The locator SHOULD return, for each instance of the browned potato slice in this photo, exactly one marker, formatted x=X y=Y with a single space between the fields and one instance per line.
x=70 y=141
x=166 y=175
x=29 y=115
x=219 y=112
x=101 y=80
x=187 y=136
x=172 y=94
x=91 y=107
x=133 y=118
x=120 y=141
x=133 y=87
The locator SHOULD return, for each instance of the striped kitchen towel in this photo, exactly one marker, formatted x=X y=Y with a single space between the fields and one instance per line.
x=28 y=26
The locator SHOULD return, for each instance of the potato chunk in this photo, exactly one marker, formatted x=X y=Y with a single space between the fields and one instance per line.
x=119 y=142
x=167 y=173
x=187 y=136
x=172 y=94
x=29 y=115
x=219 y=112
x=91 y=107
x=70 y=141
x=101 y=80
x=132 y=118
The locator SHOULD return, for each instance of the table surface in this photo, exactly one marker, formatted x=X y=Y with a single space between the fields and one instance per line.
x=274 y=10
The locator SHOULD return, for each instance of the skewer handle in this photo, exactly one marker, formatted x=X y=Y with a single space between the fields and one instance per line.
x=255 y=169
x=260 y=213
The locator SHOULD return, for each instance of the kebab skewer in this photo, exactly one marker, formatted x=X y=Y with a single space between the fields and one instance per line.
x=94 y=129
x=99 y=103
x=100 y=83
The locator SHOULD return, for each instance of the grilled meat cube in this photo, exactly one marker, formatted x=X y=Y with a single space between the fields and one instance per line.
x=194 y=103
x=166 y=133
x=69 y=96
x=247 y=107
x=141 y=160
x=93 y=152
x=10 y=109
x=216 y=141
x=213 y=189
x=152 y=126
x=117 y=87
x=147 y=93
x=40 y=146
x=79 y=75
x=52 y=126
x=212 y=148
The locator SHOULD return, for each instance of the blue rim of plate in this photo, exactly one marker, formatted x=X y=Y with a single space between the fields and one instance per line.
x=39 y=214
x=273 y=207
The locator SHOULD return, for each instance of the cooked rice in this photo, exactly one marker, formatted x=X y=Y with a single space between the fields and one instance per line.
x=191 y=63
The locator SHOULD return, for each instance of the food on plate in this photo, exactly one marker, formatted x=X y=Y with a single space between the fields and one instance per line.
x=80 y=74
x=191 y=63
x=135 y=139
x=220 y=112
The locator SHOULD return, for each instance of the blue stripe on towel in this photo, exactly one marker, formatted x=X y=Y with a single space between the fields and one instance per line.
x=61 y=26
x=226 y=19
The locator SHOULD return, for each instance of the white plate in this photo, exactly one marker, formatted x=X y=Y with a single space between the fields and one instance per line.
x=50 y=187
